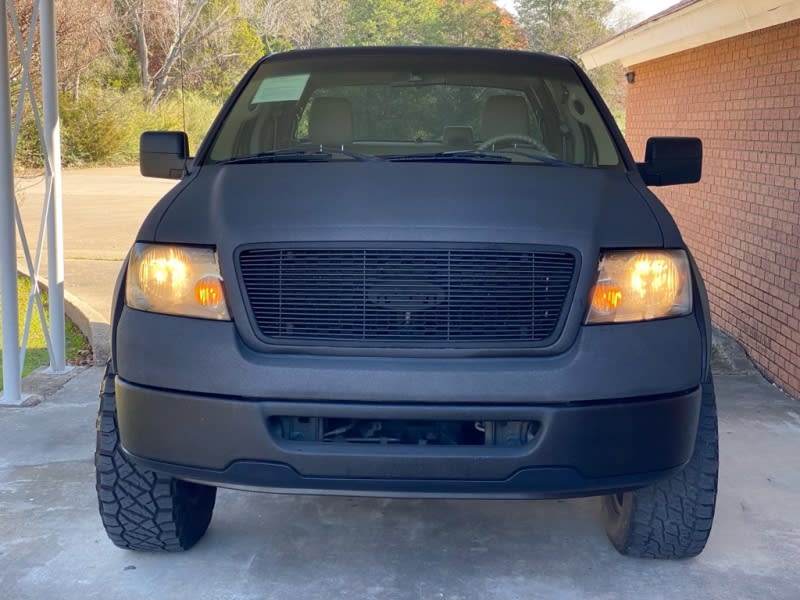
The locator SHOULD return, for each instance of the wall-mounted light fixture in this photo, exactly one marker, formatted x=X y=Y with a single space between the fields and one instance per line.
x=630 y=76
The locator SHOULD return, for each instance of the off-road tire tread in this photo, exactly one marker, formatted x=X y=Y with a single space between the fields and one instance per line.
x=672 y=519
x=141 y=509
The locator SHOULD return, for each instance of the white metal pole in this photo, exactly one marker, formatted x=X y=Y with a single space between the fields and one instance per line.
x=55 y=225
x=8 y=236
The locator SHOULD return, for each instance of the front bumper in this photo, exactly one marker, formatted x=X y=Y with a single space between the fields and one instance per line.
x=580 y=448
x=625 y=360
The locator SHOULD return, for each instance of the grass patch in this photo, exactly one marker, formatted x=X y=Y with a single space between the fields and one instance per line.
x=36 y=355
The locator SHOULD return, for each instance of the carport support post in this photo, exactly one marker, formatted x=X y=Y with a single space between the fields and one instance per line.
x=8 y=236
x=55 y=224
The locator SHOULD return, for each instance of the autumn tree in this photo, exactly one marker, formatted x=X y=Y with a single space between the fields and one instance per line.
x=158 y=30
x=285 y=24
x=391 y=22
x=219 y=47
x=478 y=23
x=81 y=32
x=432 y=22
x=198 y=40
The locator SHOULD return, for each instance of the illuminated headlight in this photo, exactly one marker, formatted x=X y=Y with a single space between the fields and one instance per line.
x=176 y=280
x=639 y=285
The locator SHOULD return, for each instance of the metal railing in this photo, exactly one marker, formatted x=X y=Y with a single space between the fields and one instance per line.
x=51 y=223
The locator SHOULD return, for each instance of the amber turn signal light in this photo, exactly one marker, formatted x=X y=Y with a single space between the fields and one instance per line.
x=606 y=298
x=208 y=291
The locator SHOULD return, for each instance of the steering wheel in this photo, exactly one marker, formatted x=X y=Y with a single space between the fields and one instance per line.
x=513 y=137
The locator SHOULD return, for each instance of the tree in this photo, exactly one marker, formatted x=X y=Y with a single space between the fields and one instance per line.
x=211 y=35
x=432 y=22
x=285 y=24
x=81 y=32
x=136 y=18
x=222 y=46
x=160 y=29
x=568 y=27
x=565 y=27
x=478 y=23
x=391 y=22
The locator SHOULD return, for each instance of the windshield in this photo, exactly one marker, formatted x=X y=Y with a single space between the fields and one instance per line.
x=449 y=106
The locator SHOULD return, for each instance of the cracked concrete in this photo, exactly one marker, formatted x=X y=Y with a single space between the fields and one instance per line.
x=52 y=544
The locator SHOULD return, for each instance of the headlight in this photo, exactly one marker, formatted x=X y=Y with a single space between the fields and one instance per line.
x=176 y=280
x=638 y=285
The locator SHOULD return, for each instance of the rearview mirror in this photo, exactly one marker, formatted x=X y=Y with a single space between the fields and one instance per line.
x=672 y=160
x=163 y=154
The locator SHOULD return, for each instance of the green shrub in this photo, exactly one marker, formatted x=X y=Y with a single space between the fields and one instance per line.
x=29 y=150
x=103 y=126
x=167 y=116
x=90 y=133
x=91 y=130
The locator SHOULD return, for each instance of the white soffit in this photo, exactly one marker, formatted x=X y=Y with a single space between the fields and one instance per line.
x=697 y=23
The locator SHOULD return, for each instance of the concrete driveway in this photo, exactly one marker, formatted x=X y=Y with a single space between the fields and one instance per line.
x=269 y=546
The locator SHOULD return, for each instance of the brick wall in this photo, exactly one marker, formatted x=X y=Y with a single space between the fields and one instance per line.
x=741 y=96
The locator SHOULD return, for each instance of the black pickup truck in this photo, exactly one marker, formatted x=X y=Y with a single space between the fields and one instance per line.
x=411 y=272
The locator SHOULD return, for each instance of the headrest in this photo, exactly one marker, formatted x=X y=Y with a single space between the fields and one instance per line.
x=458 y=135
x=330 y=121
x=504 y=115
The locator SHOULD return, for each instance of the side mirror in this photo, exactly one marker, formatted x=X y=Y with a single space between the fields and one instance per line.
x=672 y=160
x=163 y=154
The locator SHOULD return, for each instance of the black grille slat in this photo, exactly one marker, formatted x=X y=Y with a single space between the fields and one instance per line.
x=412 y=297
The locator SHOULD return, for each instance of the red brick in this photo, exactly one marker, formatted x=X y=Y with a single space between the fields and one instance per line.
x=742 y=221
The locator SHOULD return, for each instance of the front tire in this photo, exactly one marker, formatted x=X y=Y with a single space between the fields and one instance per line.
x=141 y=509
x=671 y=518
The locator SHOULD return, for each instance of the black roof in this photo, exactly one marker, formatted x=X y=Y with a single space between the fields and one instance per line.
x=440 y=51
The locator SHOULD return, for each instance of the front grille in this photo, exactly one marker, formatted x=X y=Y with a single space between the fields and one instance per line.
x=411 y=297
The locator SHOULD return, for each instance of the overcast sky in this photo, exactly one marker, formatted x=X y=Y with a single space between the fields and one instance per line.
x=644 y=7
x=648 y=7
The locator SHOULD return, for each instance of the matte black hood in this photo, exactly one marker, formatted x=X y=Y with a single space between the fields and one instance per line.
x=583 y=208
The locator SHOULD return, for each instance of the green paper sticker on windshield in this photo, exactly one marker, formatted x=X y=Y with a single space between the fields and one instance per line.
x=283 y=88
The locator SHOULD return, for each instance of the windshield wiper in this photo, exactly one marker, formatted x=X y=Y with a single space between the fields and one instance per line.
x=548 y=160
x=457 y=156
x=315 y=154
x=488 y=156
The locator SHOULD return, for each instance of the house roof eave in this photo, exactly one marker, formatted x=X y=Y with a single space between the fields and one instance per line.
x=687 y=25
